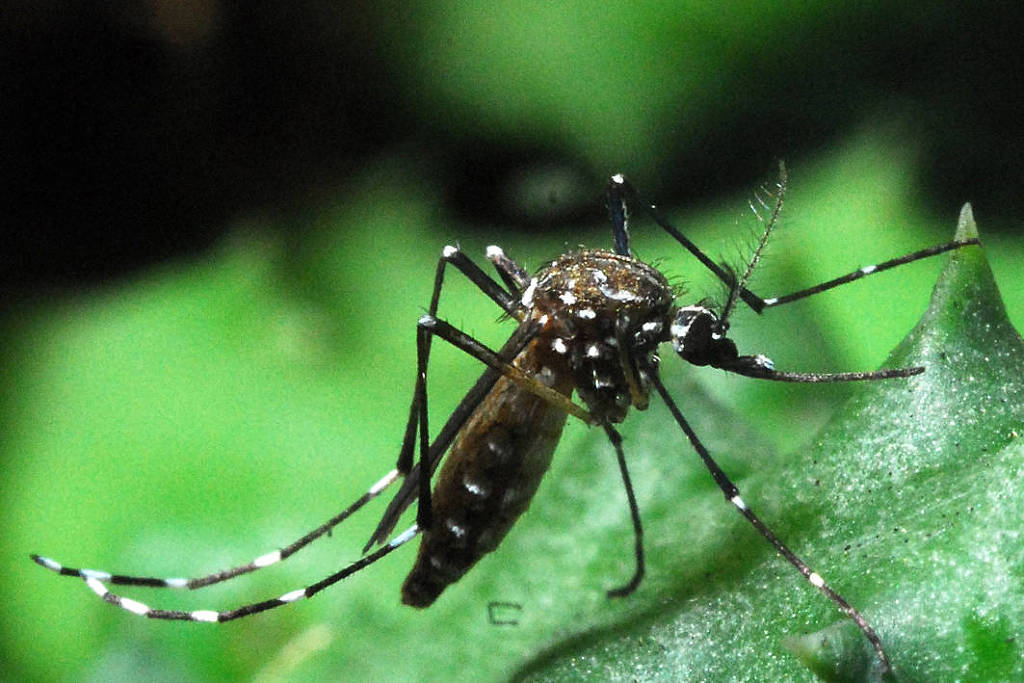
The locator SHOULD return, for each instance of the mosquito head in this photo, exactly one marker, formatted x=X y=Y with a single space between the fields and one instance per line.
x=699 y=337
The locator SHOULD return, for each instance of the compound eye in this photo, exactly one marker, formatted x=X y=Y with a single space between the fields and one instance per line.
x=694 y=333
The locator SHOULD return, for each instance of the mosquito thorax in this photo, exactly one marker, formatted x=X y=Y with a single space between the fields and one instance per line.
x=601 y=312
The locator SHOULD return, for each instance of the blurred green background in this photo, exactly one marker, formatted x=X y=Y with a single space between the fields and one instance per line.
x=222 y=224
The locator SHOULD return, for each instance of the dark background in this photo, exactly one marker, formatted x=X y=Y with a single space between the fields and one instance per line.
x=134 y=132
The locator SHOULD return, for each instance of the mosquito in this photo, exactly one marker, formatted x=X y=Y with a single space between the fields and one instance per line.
x=589 y=322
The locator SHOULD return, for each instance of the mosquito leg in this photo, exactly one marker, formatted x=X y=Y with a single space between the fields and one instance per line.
x=871 y=270
x=454 y=256
x=97 y=585
x=620 y=189
x=484 y=282
x=440 y=445
x=430 y=326
x=464 y=342
x=260 y=562
x=634 y=511
x=732 y=494
x=472 y=399
x=424 y=509
x=488 y=286
x=618 y=211
x=512 y=274
x=409 y=490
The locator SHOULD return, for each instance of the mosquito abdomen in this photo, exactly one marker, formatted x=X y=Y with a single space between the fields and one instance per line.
x=488 y=479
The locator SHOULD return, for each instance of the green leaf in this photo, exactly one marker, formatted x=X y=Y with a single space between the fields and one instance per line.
x=906 y=503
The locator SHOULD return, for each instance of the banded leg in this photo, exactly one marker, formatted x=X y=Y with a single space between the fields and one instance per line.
x=260 y=562
x=409 y=490
x=619 y=190
x=512 y=274
x=96 y=582
x=732 y=494
x=428 y=327
x=432 y=326
x=478 y=277
x=870 y=270
x=454 y=256
x=508 y=269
